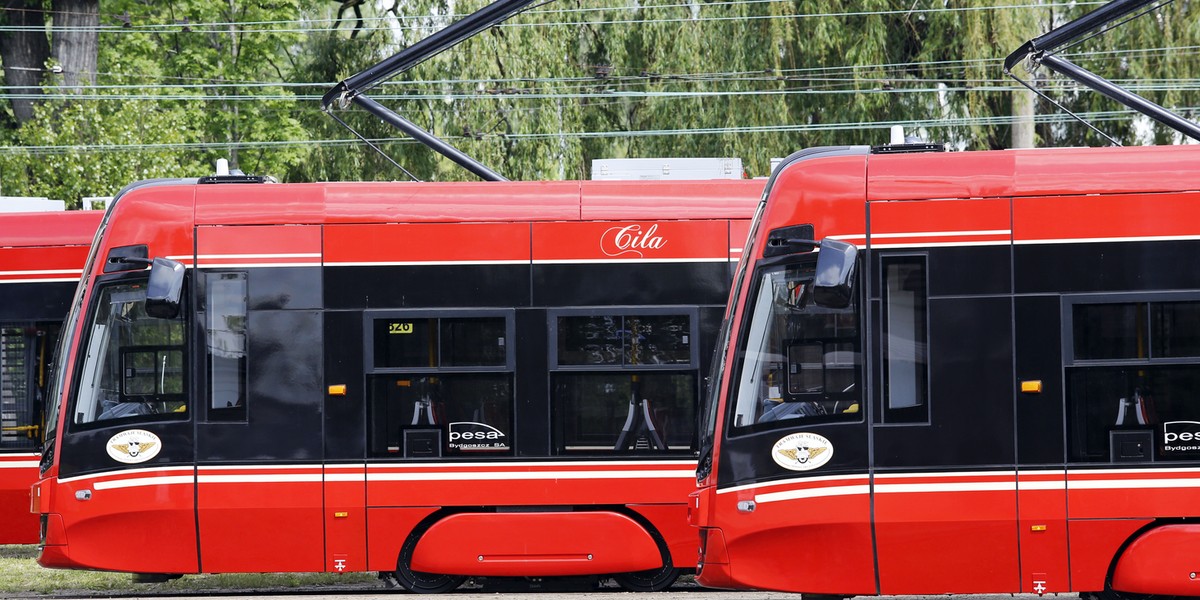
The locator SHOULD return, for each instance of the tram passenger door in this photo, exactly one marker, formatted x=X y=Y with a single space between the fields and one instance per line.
x=259 y=335
x=944 y=485
x=1039 y=398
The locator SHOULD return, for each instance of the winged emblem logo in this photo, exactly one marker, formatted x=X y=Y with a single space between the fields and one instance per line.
x=133 y=449
x=802 y=451
x=802 y=454
x=133 y=446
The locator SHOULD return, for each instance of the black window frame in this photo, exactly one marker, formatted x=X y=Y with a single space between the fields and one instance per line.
x=186 y=318
x=736 y=353
x=919 y=414
x=203 y=312
x=371 y=316
x=435 y=438
x=692 y=366
x=22 y=395
x=692 y=312
x=1069 y=302
x=1151 y=433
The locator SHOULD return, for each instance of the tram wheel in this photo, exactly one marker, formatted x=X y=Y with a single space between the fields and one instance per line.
x=653 y=580
x=417 y=581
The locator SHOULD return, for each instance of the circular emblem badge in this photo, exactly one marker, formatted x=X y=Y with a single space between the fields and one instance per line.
x=802 y=451
x=133 y=446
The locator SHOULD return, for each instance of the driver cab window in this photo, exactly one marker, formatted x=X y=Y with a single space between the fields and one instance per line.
x=133 y=364
x=800 y=361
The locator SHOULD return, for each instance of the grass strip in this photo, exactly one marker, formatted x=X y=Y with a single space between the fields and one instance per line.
x=21 y=576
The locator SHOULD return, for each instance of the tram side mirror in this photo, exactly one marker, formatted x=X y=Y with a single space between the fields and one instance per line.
x=164 y=288
x=833 y=284
x=127 y=258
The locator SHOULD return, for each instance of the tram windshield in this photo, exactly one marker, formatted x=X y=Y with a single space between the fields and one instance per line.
x=800 y=360
x=133 y=364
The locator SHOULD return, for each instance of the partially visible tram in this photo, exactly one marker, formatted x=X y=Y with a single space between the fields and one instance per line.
x=41 y=259
x=429 y=380
x=961 y=372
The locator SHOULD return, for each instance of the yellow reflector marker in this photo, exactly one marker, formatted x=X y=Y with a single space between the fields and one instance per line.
x=337 y=390
x=341 y=515
x=1038 y=527
x=1031 y=387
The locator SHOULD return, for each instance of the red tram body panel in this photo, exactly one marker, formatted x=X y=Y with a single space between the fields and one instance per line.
x=402 y=377
x=986 y=386
x=568 y=543
x=41 y=258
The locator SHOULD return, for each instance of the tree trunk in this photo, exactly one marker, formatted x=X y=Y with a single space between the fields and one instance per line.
x=75 y=32
x=24 y=53
x=1023 y=107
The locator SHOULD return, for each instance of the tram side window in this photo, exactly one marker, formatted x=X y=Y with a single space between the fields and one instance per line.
x=133 y=364
x=225 y=318
x=16 y=406
x=623 y=382
x=905 y=340
x=799 y=361
x=1132 y=380
x=440 y=385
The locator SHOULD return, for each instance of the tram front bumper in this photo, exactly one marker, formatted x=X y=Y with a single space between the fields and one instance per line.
x=713 y=569
x=52 y=547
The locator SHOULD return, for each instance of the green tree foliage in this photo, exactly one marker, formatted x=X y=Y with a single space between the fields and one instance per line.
x=163 y=106
x=78 y=134
x=1153 y=54
x=325 y=58
x=755 y=80
x=236 y=42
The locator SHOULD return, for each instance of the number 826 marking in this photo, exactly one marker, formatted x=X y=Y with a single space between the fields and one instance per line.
x=400 y=328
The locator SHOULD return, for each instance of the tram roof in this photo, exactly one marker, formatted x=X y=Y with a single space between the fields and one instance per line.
x=375 y=202
x=55 y=228
x=1033 y=172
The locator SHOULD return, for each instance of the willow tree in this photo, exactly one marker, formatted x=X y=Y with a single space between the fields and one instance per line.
x=1153 y=55
x=319 y=60
x=555 y=87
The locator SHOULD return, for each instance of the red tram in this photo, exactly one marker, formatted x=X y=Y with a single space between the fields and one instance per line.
x=967 y=372
x=41 y=258
x=427 y=380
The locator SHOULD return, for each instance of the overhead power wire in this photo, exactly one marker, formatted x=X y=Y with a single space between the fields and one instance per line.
x=436 y=96
x=1110 y=27
x=291 y=26
x=805 y=73
x=373 y=146
x=625 y=90
x=1044 y=96
x=1110 y=116
x=122 y=17
x=810 y=75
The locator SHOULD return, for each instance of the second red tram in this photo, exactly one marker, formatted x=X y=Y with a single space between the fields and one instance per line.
x=41 y=258
x=431 y=381
x=965 y=372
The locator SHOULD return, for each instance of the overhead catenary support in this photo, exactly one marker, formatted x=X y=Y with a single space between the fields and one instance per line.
x=1068 y=32
x=351 y=90
x=1040 y=50
x=1122 y=95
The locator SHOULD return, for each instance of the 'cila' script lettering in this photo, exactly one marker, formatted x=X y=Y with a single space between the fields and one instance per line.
x=630 y=239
